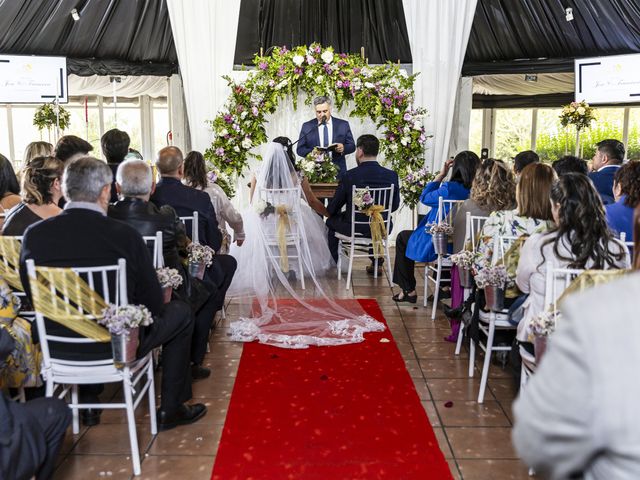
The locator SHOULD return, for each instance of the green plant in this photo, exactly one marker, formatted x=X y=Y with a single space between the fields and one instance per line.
x=45 y=117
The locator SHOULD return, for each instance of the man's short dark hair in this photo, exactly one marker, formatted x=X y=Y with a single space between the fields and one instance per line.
x=614 y=149
x=115 y=145
x=570 y=164
x=70 y=145
x=369 y=144
x=523 y=159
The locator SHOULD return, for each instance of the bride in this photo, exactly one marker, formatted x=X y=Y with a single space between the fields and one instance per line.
x=281 y=282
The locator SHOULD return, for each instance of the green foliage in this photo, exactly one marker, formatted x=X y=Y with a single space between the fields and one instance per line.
x=45 y=117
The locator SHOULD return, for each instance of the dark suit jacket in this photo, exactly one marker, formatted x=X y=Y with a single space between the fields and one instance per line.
x=368 y=174
x=84 y=238
x=185 y=200
x=341 y=134
x=603 y=181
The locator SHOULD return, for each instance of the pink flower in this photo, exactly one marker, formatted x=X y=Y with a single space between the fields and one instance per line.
x=220 y=151
x=228 y=118
x=254 y=110
x=297 y=71
x=310 y=60
x=316 y=49
x=212 y=176
x=281 y=71
x=407 y=116
x=263 y=65
x=339 y=84
x=284 y=49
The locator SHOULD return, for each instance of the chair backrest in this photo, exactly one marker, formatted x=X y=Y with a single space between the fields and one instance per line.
x=155 y=242
x=557 y=280
x=474 y=224
x=447 y=210
x=60 y=295
x=193 y=220
x=629 y=245
x=382 y=196
x=10 y=261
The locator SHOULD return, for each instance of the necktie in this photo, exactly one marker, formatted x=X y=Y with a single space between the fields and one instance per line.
x=325 y=136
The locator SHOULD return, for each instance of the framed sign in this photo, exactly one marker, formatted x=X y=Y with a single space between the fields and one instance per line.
x=33 y=79
x=612 y=79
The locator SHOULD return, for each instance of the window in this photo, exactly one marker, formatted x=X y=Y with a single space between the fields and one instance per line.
x=78 y=124
x=475 y=130
x=124 y=116
x=5 y=148
x=25 y=132
x=633 y=141
x=160 y=123
x=512 y=132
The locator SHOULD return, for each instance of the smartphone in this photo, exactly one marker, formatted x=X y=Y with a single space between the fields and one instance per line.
x=484 y=153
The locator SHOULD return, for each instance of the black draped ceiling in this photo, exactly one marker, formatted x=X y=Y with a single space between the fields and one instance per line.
x=377 y=25
x=117 y=37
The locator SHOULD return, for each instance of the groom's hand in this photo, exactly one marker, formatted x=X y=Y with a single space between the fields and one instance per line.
x=339 y=147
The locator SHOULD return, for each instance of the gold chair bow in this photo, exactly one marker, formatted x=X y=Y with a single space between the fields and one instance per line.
x=10 y=261
x=378 y=229
x=284 y=224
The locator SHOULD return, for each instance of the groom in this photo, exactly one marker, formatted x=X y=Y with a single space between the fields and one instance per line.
x=324 y=131
x=368 y=174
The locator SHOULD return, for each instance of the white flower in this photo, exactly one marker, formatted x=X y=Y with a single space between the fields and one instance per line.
x=282 y=84
x=243 y=114
x=396 y=111
x=366 y=72
x=581 y=110
x=224 y=132
x=260 y=206
x=327 y=56
x=404 y=73
x=405 y=141
x=246 y=143
x=417 y=125
x=393 y=147
x=319 y=79
x=236 y=149
x=309 y=73
x=368 y=84
x=357 y=83
x=298 y=60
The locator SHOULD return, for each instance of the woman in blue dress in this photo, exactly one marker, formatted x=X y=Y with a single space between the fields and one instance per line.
x=417 y=246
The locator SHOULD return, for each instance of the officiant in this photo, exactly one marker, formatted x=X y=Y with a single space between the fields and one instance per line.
x=328 y=132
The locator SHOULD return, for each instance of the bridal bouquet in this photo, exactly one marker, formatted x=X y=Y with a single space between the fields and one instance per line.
x=579 y=114
x=363 y=200
x=120 y=319
x=201 y=254
x=413 y=184
x=318 y=167
x=169 y=277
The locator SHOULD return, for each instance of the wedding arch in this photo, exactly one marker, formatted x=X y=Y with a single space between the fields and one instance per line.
x=384 y=93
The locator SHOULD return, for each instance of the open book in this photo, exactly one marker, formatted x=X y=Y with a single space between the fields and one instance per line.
x=330 y=148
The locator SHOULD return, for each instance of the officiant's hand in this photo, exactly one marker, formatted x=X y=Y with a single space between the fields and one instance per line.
x=339 y=147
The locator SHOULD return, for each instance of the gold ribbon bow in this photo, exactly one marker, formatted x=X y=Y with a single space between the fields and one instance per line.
x=283 y=225
x=378 y=229
x=589 y=279
x=10 y=252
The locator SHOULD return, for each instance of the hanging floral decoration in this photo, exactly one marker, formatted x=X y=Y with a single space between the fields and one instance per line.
x=383 y=93
x=579 y=114
x=45 y=117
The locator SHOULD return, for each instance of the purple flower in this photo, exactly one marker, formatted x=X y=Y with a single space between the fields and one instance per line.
x=297 y=71
x=356 y=71
x=387 y=101
x=328 y=69
x=220 y=151
x=272 y=83
x=236 y=127
x=392 y=137
x=284 y=49
x=263 y=65
x=281 y=71
x=407 y=116
x=346 y=83
x=228 y=118
x=240 y=109
x=343 y=55
x=341 y=63
x=339 y=84
x=212 y=176
x=422 y=138
x=254 y=110
x=366 y=198
x=316 y=49
x=310 y=60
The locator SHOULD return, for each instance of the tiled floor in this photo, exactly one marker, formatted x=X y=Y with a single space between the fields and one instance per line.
x=475 y=438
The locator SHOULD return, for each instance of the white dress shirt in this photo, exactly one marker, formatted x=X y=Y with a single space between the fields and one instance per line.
x=321 y=133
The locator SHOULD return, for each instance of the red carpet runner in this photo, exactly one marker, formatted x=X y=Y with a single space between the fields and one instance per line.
x=330 y=413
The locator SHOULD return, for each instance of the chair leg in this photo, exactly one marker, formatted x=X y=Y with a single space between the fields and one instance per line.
x=131 y=421
x=426 y=285
x=351 y=253
x=459 y=341
x=386 y=251
x=375 y=267
x=339 y=260
x=74 y=409
x=487 y=359
x=152 y=399
x=472 y=356
x=436 y=289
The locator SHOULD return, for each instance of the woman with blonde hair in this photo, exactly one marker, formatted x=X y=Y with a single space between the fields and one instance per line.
x=41 y=191
x=37 y=149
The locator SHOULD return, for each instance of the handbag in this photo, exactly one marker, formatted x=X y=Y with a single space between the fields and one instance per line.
x=516 y=310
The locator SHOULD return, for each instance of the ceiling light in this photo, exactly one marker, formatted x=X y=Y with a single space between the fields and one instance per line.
x=568 y=14
x=75 y=15
x=531 y=77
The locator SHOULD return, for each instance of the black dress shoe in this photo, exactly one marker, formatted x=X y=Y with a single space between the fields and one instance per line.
x=453 y=312
x=90 y=417
x=371 y=270
x=441 y=296
x=185 y=415
x=198 y=372
x=405 y=298
x=291 y=276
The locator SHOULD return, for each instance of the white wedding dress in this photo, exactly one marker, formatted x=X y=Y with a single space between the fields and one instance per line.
x=274 y=309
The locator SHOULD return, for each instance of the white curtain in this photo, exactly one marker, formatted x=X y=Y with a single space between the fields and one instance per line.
x=129 y=86
x=204 y=32
x=438 y=35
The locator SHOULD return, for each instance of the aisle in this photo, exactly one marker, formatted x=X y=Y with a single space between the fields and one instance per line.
x=338 y=412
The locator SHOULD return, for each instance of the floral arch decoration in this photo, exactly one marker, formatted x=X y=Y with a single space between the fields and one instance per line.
x=383 y=93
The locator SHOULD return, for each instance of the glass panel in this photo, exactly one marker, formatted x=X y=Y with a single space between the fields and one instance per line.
x=633 y=144
x=25 y=132
x=4 y=132
x=160 y=128
x=475 y=130
x=78 y=126
x=126 y=119
x=512 y=132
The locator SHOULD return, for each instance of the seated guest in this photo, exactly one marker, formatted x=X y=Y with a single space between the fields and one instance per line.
x=417 y=245
x=580 y=239
x=32 y=433
x=368 y=173
x=41 y=191
x=83 y=236
x=606 y=161
x=570 y=164
x=37 y=149
x=115 y=147
x=134 y=183
x=523 y=159
x=70 y=148
x=493 y=189
x=532 y=213
x=195 y=176
x=626 y=192
x=9 y=186
x=185 y=200
x=578 y=415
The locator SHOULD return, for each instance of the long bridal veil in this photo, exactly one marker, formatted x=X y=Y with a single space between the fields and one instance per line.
x=285 y=282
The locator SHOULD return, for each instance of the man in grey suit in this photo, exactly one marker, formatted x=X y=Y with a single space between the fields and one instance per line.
x=578 y=416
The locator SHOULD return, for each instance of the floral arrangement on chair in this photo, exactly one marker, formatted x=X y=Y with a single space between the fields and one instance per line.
x=579 y=114
x=201 y=254
x=223 y=181
x=119 y=319
x=464 y=259
x=413 y=184
x=442 y=227
x=169 y=277
x=363 y=200
x=544 y=324
x=264 y=208
x=492 y=276
x=365 y=203
x=318 y=167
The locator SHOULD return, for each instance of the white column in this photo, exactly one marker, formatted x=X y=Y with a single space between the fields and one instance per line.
x=204 y=33
x=438 y=34
x=146 y=128
x=625 y=132
x=461 y=117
